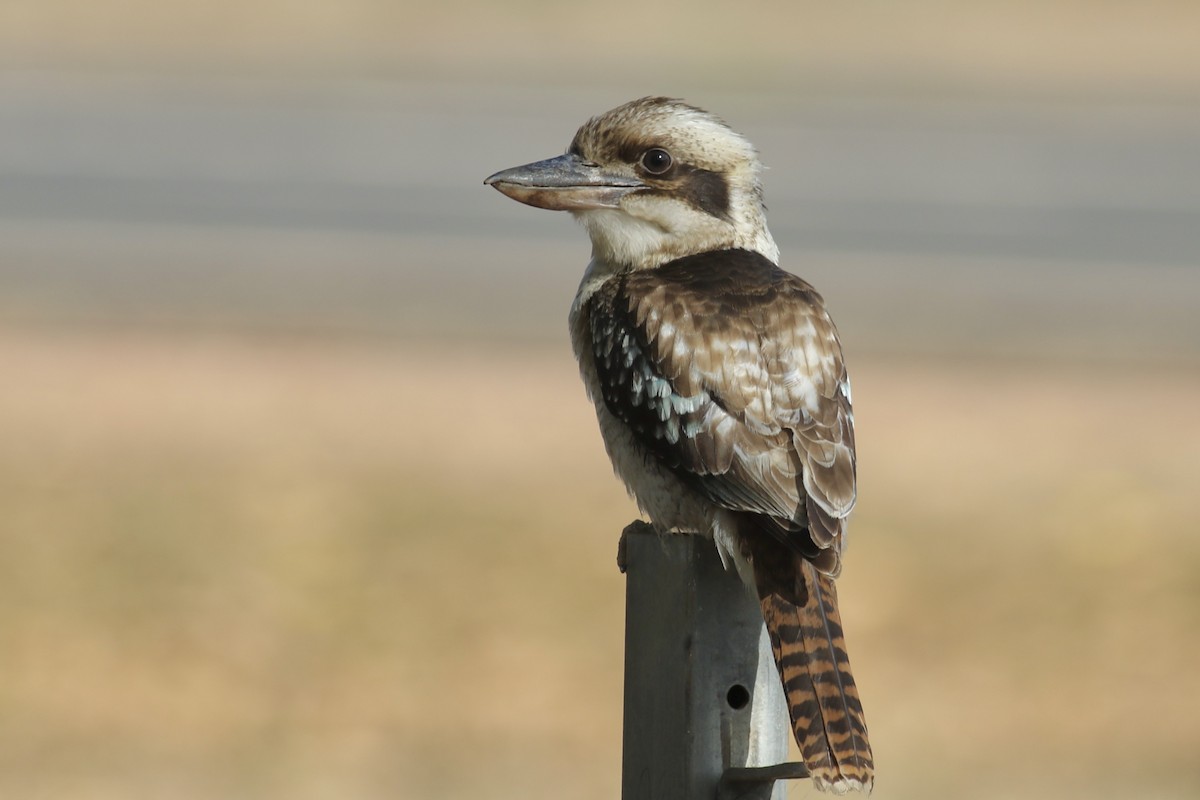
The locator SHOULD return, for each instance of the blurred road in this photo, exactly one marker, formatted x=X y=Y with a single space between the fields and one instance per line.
x=963 y=225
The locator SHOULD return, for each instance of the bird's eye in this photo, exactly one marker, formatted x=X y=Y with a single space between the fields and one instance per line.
x=656 y=161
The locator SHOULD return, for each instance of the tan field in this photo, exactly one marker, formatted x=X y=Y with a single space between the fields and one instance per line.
x=274 y=569
x=1028 y=45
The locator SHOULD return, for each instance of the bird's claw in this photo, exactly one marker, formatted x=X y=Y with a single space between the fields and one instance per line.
x=635 y=527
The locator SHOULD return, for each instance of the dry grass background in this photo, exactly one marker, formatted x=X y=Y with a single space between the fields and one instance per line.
x=247 y=565
x=279 y=570
x=1095 y=46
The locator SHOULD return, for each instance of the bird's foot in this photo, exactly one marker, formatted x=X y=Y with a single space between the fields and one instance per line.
x=635 y=527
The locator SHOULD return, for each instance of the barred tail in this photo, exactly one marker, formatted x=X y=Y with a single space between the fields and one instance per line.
x=810 y=651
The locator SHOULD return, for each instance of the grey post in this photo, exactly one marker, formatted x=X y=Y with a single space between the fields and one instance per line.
x=704 y=710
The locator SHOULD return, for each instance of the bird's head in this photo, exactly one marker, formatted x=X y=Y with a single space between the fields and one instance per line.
x=652 y=180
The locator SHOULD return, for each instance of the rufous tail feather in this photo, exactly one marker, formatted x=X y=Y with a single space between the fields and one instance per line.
x=810 y=650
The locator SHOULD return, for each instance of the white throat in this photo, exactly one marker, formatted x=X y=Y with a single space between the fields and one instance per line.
x=654 y=232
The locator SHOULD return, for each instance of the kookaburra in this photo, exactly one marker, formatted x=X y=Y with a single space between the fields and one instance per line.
x=719 y=384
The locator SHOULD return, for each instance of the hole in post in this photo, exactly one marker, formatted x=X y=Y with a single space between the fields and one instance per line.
x=738 y=697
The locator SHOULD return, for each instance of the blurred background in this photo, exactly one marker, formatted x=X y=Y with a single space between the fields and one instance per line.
x=300 y=496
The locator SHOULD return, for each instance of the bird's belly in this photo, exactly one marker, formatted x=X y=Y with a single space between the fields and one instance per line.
x=665 y=499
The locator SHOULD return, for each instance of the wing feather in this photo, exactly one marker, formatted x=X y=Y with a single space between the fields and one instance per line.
x=730 y=370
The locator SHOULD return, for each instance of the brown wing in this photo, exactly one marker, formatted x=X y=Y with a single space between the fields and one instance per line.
x=731 y=372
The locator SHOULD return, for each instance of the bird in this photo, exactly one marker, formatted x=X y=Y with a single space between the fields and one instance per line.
x=719 y=385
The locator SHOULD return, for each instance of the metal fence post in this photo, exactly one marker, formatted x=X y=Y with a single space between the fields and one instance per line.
x=701 y=692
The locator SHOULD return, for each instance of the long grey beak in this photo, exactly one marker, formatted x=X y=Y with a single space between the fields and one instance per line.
x=564 y=183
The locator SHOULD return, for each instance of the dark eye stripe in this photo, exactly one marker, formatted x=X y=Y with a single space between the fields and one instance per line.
x=702 y=188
